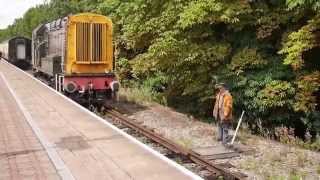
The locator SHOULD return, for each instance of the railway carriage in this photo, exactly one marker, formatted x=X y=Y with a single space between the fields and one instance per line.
x=76 y=54
x=17 y=51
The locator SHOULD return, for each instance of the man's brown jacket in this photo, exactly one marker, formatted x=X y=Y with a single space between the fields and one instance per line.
x=223 y=106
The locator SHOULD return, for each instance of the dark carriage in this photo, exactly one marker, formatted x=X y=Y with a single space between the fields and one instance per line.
x=19 y=52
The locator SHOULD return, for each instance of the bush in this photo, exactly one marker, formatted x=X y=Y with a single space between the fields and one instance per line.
x=287 y=136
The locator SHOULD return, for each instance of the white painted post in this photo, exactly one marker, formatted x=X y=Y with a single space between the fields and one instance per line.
x=235 y=133
x=62 y=83
x=56 y=77
x=59 y=83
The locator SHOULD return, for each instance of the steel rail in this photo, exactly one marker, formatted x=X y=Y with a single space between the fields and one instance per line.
x=215 y=169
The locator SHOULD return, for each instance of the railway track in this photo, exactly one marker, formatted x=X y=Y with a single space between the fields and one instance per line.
x=216 y=171
x=173 y=150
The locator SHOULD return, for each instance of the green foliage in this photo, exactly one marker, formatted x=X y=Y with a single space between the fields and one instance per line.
x=197 y=61
x=156 y=83
x=174 y=51
x=276 y=94
x=262 y=95
x=213 y=12
x=299 y=42
x=249 y=94
x=314 y=4
x=271 y=21
x=306 y=98
x=124 y=69
x=246 y=59
x=109 y=6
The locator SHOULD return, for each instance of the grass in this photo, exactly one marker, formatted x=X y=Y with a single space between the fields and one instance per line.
x=301 y=159
x=290 y=177
x=263 y=166
x=245 y=136
x=275 y=157
x=141 y=95
x=145 y=96
x=296 y=175
x=284 y=162
x=187 y=143
x=277 y=178
x=269 y=173
x=250 y=164
x=136 y=95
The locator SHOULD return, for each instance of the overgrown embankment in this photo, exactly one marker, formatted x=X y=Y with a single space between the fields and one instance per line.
x=267 y=51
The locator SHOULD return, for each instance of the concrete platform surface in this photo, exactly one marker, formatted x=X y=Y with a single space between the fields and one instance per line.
x=21 y=154
x=43 y=135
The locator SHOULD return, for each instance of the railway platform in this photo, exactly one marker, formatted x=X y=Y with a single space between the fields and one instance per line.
x=44 y=135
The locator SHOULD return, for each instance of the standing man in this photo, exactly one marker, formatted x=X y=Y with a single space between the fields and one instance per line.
x=223 y=112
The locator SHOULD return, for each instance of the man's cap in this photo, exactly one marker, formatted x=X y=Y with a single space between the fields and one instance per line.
x=220 y=85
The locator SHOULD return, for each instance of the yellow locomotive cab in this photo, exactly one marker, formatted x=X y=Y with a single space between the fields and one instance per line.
x=89 y=44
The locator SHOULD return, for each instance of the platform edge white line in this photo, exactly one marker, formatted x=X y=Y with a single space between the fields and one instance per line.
x=58 y=163
x=134 y=140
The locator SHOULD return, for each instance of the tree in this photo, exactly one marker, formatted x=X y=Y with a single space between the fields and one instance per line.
x=266 y=50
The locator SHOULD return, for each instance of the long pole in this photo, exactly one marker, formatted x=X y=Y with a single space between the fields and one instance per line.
x=235 y=134
x=56 y=77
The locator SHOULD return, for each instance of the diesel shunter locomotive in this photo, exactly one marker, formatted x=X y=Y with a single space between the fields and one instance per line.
x=75 y=54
